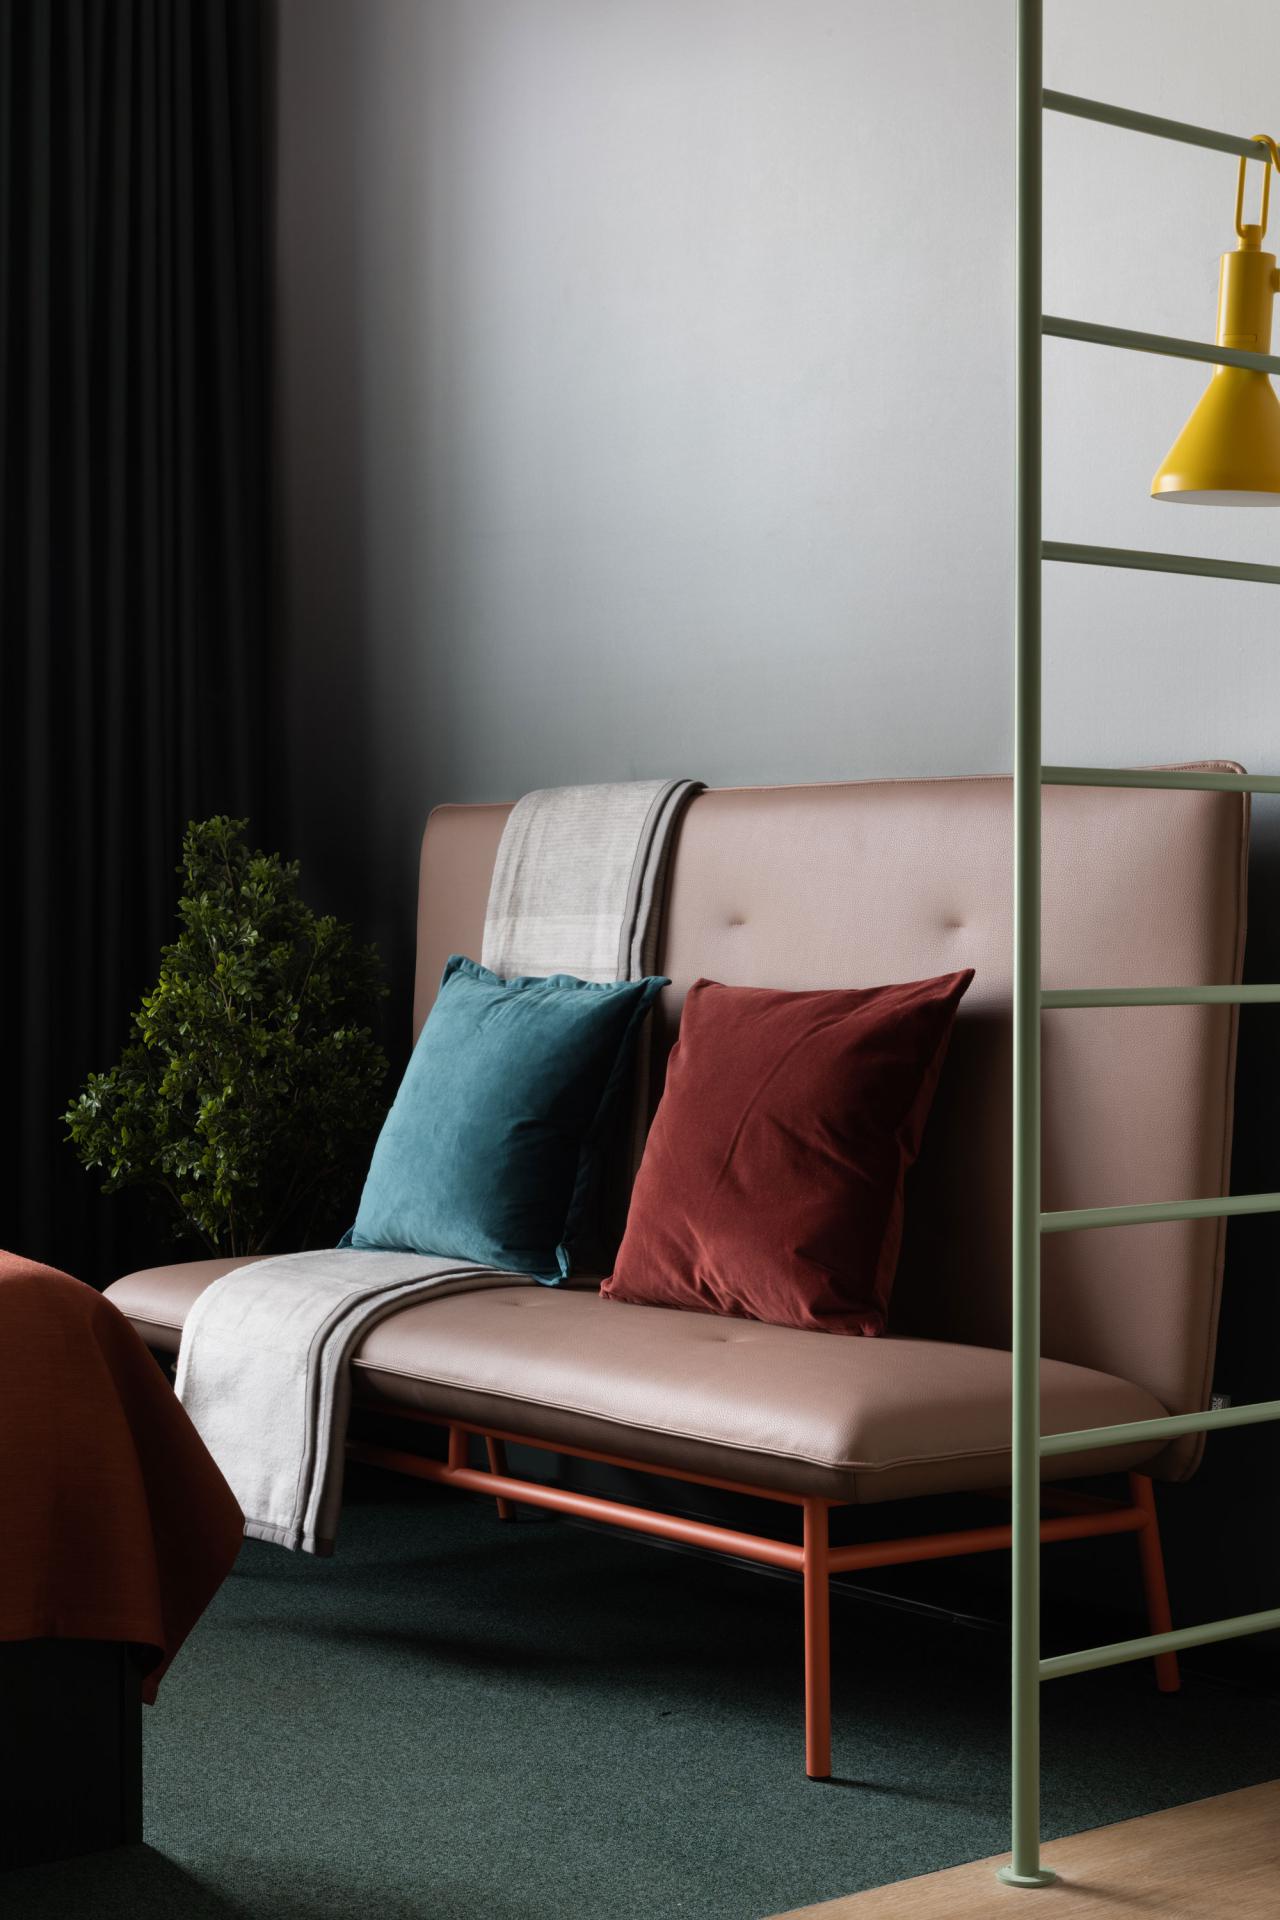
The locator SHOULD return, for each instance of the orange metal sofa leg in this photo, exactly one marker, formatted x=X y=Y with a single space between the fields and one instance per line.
x=817 y=1640
x=497 y=1452
x=1151 y=1557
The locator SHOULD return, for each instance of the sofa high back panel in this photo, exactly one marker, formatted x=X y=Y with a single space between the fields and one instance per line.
x=861 y=884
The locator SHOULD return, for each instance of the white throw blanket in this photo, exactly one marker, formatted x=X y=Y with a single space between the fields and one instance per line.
x=264 y=1372
x=578 y=882
x=264 y=1366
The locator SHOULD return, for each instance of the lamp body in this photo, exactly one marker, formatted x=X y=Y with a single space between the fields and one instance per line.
x=1228 y=454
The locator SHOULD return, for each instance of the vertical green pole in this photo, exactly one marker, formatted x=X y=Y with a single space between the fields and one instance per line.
x=1026 y=1870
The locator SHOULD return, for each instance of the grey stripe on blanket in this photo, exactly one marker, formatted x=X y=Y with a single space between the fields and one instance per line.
x=265 y=1364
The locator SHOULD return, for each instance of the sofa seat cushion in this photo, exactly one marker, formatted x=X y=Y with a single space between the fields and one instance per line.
x=156 y=1299
x=852 y=1420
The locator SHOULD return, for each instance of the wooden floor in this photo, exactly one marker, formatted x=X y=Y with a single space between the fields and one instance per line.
x=1216 y=1859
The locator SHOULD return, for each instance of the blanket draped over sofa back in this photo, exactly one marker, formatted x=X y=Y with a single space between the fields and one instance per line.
x=578 y=880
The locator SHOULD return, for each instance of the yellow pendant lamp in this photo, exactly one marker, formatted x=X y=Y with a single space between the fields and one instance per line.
x=1228 y=454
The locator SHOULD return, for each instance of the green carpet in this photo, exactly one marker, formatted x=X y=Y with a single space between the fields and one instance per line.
x=459 y=1720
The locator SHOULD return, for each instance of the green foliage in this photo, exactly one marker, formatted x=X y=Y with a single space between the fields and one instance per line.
x=247 y=1098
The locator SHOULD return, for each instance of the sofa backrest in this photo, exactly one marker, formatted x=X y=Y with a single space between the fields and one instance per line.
x=862 y=884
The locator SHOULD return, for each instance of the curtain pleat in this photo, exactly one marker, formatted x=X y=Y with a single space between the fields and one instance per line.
x=135 y=671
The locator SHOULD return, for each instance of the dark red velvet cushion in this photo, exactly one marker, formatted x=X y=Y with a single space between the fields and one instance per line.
x=772 y=1182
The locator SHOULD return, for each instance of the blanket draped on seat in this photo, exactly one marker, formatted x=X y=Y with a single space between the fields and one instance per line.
x=264 y=1372
x=264 y=1365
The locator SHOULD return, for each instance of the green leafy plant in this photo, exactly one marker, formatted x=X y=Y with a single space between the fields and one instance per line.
x=247 y=1097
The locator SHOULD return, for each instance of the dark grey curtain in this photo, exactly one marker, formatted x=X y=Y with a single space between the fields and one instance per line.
x=135 y=675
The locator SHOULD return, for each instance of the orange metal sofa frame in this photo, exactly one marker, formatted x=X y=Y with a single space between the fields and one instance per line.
x=1080 y=1517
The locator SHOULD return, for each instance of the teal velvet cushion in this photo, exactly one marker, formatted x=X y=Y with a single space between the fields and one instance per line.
x=488 y=1151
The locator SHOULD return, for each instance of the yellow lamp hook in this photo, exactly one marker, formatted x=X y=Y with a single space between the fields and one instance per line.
x=1251 y=236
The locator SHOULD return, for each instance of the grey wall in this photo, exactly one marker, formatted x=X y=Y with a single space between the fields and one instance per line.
x=646 y=397
x=645 y=407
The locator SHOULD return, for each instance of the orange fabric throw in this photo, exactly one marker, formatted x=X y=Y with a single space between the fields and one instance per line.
x=115 y=1524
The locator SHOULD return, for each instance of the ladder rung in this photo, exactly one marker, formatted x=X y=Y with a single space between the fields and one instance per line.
x=1170 y=1426
x=1155 y=1643
x=1159 y=562
x=1159 y=997
x=1190 y=779
x=1151 y=123
x=1162 y=343
x=1077 y=1219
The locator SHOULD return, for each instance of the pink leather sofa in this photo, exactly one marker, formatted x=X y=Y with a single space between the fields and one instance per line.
x=840 y=885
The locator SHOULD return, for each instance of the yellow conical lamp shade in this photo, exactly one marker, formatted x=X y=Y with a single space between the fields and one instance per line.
x=1228 y=454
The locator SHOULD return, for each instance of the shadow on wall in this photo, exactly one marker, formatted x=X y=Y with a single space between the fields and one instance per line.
x=319 y=559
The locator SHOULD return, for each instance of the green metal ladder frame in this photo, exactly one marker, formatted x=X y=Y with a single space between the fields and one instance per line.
x=1029 y=1000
